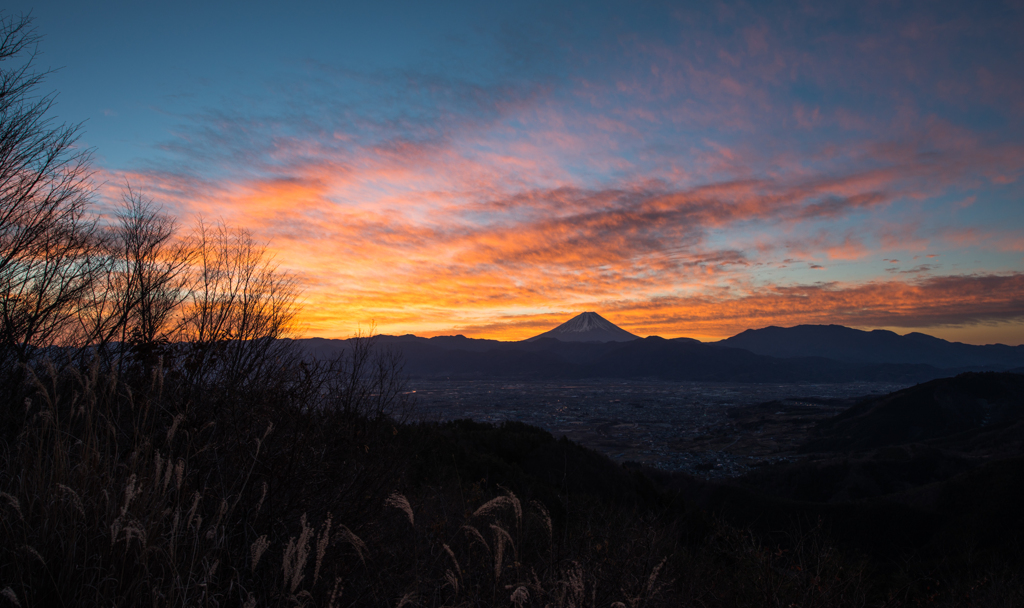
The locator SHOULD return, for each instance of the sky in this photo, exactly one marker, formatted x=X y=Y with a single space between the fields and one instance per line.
x=492 y=169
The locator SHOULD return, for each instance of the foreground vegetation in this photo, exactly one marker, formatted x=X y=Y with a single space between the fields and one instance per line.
x=121 y=492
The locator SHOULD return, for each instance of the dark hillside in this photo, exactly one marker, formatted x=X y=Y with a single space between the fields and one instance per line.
x=529 y=461
x=933 y=522
x=967 y=404
x=842 y=478
x=918 y=437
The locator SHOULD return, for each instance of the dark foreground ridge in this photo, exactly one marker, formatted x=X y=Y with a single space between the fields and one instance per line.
x=930 y=470
x=306 y=485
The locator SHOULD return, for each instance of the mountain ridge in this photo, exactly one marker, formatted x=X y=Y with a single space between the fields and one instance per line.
x=831 y=354
x=877 y=346
x=587 y=327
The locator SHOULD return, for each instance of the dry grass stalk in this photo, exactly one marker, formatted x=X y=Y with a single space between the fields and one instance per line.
x=321 y=547
x=14 y=503
x=158 y=469
x=401 y=503
x=32 y=552
x=130 y=492
x=212 y=569
x=335 y=592
x=501 y=537
x=545 y=517
x=520 y=596
x=652 y=580
x=356 y=542
x=493 y=505
x=451 y=580
x=575 y=586
x=259 y=546
x=451 y=554
x=192 y=511
x=134 y=530
x=168 y=474
x=174 y=427
x=176 y=520
x=295 y=556
x=211 y=533
x=535 y=582
x=11 y=596
x=517 y=507
x=473 y=532
x=76 y=500
x=263 y=496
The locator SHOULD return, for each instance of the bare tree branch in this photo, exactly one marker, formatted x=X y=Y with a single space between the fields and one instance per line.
x=46 y=242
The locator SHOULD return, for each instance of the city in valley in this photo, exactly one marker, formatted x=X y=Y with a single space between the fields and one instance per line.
x=706 y=429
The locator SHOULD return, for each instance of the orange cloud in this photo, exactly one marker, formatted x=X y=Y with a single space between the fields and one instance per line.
x=932 y=302
x=438 y=244
x=499 y=220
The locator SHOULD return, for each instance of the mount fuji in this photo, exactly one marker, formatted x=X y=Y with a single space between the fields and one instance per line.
x=587 y=327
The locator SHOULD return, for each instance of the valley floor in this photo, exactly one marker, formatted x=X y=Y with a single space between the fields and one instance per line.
x=707 y=429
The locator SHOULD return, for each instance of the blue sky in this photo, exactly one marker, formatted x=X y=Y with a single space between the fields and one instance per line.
x=684 y=169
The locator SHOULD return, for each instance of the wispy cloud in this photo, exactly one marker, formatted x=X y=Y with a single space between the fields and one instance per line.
x=700 y=179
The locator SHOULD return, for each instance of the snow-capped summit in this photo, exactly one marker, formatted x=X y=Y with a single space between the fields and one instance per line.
x=587 y=327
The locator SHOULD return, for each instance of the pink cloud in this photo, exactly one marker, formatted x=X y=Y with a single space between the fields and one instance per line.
x=672 y=175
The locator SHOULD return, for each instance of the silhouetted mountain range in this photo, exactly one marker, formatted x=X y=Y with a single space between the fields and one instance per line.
x=878 y=346
x=806 y=353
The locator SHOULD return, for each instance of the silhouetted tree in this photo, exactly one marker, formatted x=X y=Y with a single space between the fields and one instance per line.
x=237 y=308
x=144 y=279
x=46 y=241
x=368 y=381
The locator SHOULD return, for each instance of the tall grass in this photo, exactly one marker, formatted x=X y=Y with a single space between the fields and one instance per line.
x=129 y=491
x=126 y=494
x=122 y=494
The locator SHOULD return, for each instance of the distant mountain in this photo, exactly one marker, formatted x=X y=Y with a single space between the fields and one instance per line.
x=874 y=347
x=653 y=358
x=587 y=327
x=689 y=360
x=589 y=346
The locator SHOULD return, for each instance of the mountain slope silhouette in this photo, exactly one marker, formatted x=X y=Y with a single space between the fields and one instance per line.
x=587 y=327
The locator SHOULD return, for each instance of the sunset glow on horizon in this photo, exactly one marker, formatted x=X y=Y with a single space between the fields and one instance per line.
x=492 y=172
